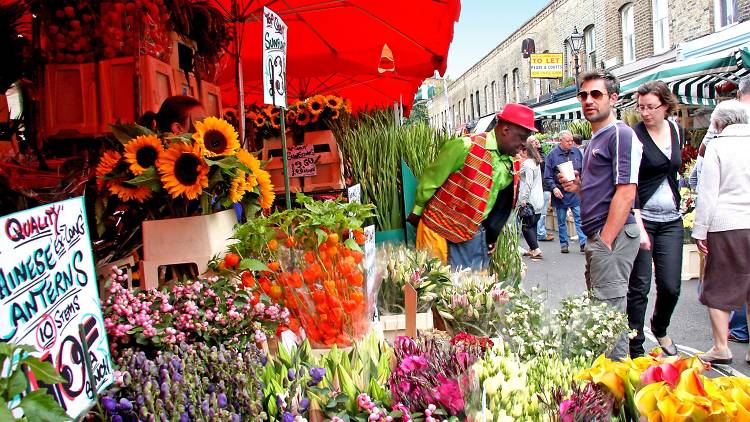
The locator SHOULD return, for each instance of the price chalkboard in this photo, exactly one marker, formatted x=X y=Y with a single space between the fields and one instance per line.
x=301 y=161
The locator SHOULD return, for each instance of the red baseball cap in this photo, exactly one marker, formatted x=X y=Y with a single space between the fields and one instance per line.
x=518 y=114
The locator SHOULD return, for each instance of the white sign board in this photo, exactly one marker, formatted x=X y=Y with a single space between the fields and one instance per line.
x=301 y=161
x=370 y=258
x=354 y=194
x=47 y=288
x=274 y=59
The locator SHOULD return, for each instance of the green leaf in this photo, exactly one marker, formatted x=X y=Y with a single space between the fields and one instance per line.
x=253 y=265
x=126 y=133
x=5 y=413
x=17 y=383
x=39 y=406
x=6 y=349
x=148 y=178
x=43 y=371
x=322 y=236
x=225 y=163
x=352 y=244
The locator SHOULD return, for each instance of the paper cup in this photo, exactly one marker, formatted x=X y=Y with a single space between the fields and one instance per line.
x=566 y=169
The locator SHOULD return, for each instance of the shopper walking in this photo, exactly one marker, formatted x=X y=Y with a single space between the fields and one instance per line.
x=530 y=196
x=541 y=228
x=722 y=223
x=659 y=206
x=607 y=187
x=563 y=201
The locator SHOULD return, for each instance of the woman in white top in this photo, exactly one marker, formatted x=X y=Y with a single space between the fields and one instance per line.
x=530 y=192
x=722 y=223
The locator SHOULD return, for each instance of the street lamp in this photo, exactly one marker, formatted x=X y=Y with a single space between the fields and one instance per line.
x=576 y=42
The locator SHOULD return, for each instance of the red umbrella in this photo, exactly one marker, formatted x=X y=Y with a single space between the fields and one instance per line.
x=337 y=46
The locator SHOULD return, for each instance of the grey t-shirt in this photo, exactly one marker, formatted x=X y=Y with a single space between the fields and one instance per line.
x=612 y=158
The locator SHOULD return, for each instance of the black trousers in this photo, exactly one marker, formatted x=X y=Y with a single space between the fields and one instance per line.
x=666 y=255
x=528 y=229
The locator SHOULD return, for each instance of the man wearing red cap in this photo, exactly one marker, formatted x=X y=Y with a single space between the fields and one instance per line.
x=466 y=195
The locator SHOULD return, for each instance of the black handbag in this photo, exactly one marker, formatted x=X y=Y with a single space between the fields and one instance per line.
x=526 y=211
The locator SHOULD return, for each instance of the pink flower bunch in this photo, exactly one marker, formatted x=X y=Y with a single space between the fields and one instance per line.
x=213 y=310
x=376 y=414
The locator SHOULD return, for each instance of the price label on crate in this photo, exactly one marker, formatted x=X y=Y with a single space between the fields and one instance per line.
x=301 y=160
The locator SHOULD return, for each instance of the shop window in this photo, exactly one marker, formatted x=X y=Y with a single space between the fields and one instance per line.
x=725 y=13
x=660 y=10
x=628 y=33
x=589 y=39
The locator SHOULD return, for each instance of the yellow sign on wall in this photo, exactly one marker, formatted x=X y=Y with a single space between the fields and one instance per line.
x=547 y=65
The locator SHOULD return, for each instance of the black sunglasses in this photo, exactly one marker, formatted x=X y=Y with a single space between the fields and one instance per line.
x=595 y=94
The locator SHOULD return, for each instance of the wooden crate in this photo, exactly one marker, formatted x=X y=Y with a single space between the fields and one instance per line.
x=211 y=99
x=330 y=168
x=272 y=151
x=182 y=86
x=70 y=100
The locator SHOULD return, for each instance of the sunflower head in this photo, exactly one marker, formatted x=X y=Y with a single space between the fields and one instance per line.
x=107 y=163
x=276 y=120
x=127 y=192
x=183 y=171
x=238 y=187
x=303 y=117
x=259 y=120
x=216 y=137
x=249 y=160
x=291 y=117
x=142 y=152
x=266 y=196
x=316 y=104
x=333 y=102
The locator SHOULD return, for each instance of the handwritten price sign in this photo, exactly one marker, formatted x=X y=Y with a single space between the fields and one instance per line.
x=274 y=59
x=47 y=289
x=301 y=160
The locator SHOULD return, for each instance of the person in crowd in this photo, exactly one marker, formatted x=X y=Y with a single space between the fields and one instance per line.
x=541 y=228
x=563 y=201
x=578 y=140
x=722 y=223
x=466 y=195
x=176 y=115
x=738 y=331
x=659 y=209
x=607 y=187
x=530 y=194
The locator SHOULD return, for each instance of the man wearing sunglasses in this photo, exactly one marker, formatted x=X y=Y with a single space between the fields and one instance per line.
x=607 y=187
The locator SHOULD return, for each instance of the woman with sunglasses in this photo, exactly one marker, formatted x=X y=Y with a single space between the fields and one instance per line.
x=659 y=208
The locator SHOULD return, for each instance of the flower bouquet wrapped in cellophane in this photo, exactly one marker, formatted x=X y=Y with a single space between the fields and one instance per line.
x=309 y=259
x=472 y=303
x=404 y=265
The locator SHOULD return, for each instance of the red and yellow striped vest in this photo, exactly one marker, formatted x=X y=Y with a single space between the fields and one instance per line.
x=457 y=208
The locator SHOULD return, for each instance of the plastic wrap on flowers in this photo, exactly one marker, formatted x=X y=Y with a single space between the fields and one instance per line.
x=127 y=23
x=472 y=303
x=400 y=265
x=70 y=29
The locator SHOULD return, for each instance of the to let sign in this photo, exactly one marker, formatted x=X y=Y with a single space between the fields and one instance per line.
x=547 y=65
x=47 y=289
x=274 y=59
x=301 y=161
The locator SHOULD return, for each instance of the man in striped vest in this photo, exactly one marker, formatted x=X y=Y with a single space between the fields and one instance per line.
x=467 y=194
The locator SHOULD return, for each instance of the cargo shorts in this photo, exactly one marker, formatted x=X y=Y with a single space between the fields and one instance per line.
x=608 y=270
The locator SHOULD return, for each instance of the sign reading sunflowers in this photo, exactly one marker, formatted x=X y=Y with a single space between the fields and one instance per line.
x=274 y=58
x=186 y=174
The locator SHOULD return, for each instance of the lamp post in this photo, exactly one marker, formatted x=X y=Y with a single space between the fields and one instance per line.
x=576 y=42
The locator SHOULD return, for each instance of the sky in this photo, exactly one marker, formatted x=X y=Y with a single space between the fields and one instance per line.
x=482 y=26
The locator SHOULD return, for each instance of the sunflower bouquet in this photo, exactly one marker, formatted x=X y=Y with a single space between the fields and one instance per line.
x=186 y=174
x=313 y=113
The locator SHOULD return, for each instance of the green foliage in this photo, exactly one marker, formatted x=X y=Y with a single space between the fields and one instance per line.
x=581 y=127
x=36 y=405
x=418 y=115
x=506 y=263
x=427 y=274
x=373 y=146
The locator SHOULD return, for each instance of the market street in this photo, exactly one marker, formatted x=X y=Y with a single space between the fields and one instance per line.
x=562 y=275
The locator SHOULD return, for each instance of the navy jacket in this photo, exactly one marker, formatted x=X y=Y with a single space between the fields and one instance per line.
x=555 y=157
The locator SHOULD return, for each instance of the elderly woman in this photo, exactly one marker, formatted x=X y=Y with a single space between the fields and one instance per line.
x=722 y=224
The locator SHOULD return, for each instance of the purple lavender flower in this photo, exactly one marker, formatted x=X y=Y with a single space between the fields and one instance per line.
x=288 y=417
x=205 y=406
x=236 y=417
x=116 y=418
x=291 y=374
x=184 y=417
x=109 y=403
x=280 y=402
x=140 y=400
x=164 y=390
x=263 y=359
x=125 y=404
x=304 y=404
x=222 y=400
x=210 y=389
x=317 y=374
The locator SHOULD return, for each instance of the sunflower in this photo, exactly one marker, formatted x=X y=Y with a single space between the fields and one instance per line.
x=347 y=106
x=182 y=170
x=303 y=117
x=267 y=196
x=335 y=115
x=127 y=192
x=238 y=187
x=276 y=120
x=216 y=137
x=316 y=104
x=333 y=102
x=142 y=152
x=249 y=160
x=259 y=120
x=291 y=116
x=107 y=163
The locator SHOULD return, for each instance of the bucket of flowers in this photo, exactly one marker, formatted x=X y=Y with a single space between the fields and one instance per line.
x=306 y=260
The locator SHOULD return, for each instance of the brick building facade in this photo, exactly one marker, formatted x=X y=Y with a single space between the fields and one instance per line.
x=503 y=75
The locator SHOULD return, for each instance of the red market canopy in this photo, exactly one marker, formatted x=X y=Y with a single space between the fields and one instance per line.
x=335 y=47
